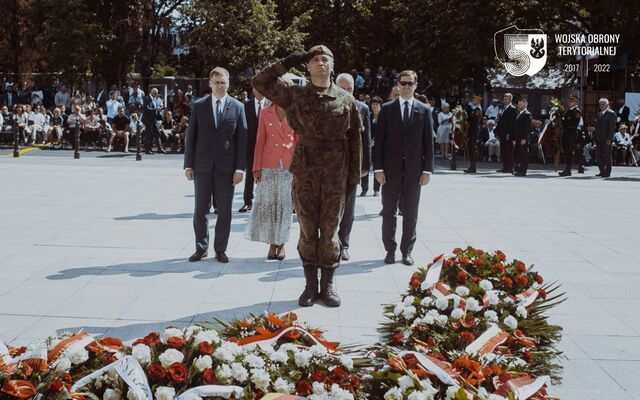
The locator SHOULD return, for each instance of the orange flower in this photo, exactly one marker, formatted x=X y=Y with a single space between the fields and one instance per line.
x=499 y=267
x=398 y=338
x=478 y=262
x=522 y=280
x=462 y=276
x=457 y=250
x=539 y=279
x=205 y=348
x=18 y=389
x=506 y=281
x=501 y=255
x=521 y=267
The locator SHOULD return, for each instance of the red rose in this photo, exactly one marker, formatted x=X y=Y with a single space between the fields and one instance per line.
x=457 y=250
x=467 y=337
x=501 y=255
x=415 y=281
x=499 y=267
x=526 y=355
x=476 y=279
x=542 y=293
x=506 y=281
x=319 y=376
x=56 y=386
x=398 y=338
x=463 y=260
x=208 y=377
x=521 y=267
x=176 y=342
x=539 y=279
x=303 y=388
x=479 y=252
x=67 y=378
x=339 y=372
x=522 y=280
x=156 y=372
x=478 y=262
x=178 y=372
x=149 y=340
x=355 y=382
x=462 y=276
x=447 y=263
x=205 y=348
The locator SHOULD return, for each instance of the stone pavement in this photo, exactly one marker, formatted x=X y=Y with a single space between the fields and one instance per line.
x=100 y=244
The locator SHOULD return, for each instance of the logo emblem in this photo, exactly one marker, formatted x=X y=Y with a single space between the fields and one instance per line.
x=521 y=51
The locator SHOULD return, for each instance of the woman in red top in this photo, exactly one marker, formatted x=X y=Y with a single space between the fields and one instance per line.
x=270 y=220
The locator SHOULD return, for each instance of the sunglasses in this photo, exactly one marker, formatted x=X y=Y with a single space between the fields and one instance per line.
x=406 y=83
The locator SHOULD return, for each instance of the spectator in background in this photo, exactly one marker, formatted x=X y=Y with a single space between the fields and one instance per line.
x=120 y=127
x=36 y=125
x=622 y=113
x=91 y=129
x=91 y=103
x=189 y=91
x=134 y=125
x=445 y=125
x=136 y=98
x=180 y=131
x=77 y=99
x=76 y=119
x=37 y=96
x=493 y=110
x=21 y=119
x=491 y=141
x=536 y=130
x=56 y=124
x=112 y=106
x=622 y=143
x=62 y=97
x=178 y=104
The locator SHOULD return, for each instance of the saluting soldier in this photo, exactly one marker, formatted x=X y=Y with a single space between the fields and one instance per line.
x=572 y=123
x=474 y=113
x=326 y=159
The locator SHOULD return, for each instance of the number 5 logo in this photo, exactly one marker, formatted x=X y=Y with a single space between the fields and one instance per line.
x=521 y=51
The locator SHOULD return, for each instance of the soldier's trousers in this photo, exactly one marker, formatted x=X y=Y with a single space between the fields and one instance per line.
x=568 y=147
x=318 y=198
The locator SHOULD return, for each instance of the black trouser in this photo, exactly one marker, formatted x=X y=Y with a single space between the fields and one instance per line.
x=346 y=222
x=506 y=153
x=151 y=135
x=569 y=146
x=603 y=151
x=405 y=190
x=521 y=157
x=248 y=181
x=203 y=183
x=472 y=152
x=364 y=182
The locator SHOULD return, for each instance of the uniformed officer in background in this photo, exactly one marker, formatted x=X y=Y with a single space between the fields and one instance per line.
x=572 y=124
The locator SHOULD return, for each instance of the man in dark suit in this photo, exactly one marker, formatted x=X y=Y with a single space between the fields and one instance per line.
x=215 y=153
x=345 y=81
x=102 y=95
x=622 y=113
x=403 y=163
x=605 y=129
x=10 y=97
x=474 y=114
x=506 y=120
x=252 y=110
x=571 y=123
x=150 y=111
x=520 y=139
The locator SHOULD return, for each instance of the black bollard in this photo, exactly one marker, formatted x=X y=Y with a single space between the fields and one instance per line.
x=16 y=139
x=76 y=141
x=454 y=164
x=138 y=143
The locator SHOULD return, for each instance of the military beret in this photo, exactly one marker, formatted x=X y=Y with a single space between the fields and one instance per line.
x=317 y=50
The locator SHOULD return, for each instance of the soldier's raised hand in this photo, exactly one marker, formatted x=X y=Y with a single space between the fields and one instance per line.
x=294 y=59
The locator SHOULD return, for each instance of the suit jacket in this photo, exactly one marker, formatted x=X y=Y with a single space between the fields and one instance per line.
x=506 y=122
x=14 y=99
x=605 y=125
x=101 y=98
x=522 y=126
x=148 y=110
x=624 y=115
x=252 y=128
x=366 y=135
x=275 y=141
x=401 y=145
x=223 y=148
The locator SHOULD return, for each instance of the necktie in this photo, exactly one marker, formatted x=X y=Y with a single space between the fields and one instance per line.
x=218 y=113
x=405 y=115
x=259 y=109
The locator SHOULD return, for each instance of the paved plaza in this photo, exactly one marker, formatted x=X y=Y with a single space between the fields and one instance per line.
x=100 y=244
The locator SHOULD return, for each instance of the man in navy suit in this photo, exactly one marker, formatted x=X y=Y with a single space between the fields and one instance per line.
x=150 y=111
x=520 y=139
x=252 y=109
x=215 y=155
x=403 y=163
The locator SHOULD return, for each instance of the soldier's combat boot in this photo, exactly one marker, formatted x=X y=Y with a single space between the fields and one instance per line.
x=327 y=292
x=310 y=293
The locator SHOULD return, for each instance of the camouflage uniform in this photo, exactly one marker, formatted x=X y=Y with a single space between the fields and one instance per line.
x=327 y=157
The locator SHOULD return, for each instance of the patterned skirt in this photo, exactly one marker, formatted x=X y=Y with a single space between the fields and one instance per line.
x=270 y=219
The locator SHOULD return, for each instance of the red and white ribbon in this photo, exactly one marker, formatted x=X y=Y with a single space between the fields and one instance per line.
x=35 y=358
x=129 y=370
x=212 y=391
x=523 y=387
x=488 y=341
x=441 y=369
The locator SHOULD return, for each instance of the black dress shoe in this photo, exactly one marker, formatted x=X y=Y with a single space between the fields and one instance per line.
x=245 y=208
x=599 y=174
x=581 y=170
x=502 y=171
x=148 y=152
x=345 y=255
x=221 y=257
x=407 y=259
x=519 y=174
x=390 y=258
x=565 y=173
x=469 y=171
x=163 y=151
x=363 y=194
x=197 y=256
x=375 y=194
x=606 y=175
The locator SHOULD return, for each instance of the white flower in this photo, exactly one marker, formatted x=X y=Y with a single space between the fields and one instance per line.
x=428 y=319
x=426 y=302
x=442 y=320
x=398 y=309
x=261 y=379
x=408 y=300
x=337 y=393
x=191 y=330
x=280 y=357
x=518 y=362
x=451 y=392
x=169 y=332
x=202 y=363
x=62 y=365
x=405 y=382
x=442 y=303
x=318 y=388
x=302 y=358
x=165 y=393
x=393 y=394
x=169 y=357
x=462 y=291
x=409 y=312
x=210 y=336
x=112 y=394
x=521 y=312
x=457 y=313
x=493 y=298
x=486 y=285
x=223 y=372
x=508 y=300
x=318 y=350
x=223 y=354
x=427 y=388
x=422 y=395
x=239 y=373
x=79 y=357
x=133 y=395
x=282 y=386
x=424 y=285
x=511 y=322
x=289 y=347
x=433 y=313
x=491 y=315
x=473 y=305
x=483 y=393
x=142 y=353
x=346 y=362
x=253 y=361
